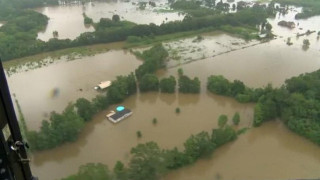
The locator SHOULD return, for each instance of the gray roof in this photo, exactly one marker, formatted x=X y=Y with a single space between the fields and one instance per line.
x=119 y=114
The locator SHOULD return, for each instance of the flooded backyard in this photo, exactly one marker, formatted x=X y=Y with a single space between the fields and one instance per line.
x=268 y=152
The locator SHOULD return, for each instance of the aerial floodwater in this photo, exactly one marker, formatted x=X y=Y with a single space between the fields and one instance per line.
x=58 y=84
x=68 y=19
x=268 y=152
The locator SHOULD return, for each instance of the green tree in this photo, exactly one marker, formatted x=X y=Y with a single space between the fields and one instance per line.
x=91 y=171
x=85 y=109
x=223 y=135
x=237 y=87
x=199 y=145
x=120 y=172
x=55 y=34
x=306 y=43
x=147 y=162
x=268 y=27
x=116 y=18
x=180 y=71
x=187 y=85
x=149 y=82
x=258 y=117
x=236 y=118
x=218 y=85
x=222 y=121
x=175 y=159
x=168 y=85
x=139 y=134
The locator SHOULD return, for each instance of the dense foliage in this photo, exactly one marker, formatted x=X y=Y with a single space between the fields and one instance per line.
x=149 y=82
x=297 y=103
x=91 y=171
x=149 y=161
x=17 y=36
x=236 y=118
x=168 y=85
x=154 y=59
x=24 y=43
x=61 y=128
x=65 y=127
x=222 y=86
x=187 y=85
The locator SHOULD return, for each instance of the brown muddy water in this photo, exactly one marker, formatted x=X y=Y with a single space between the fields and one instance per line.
x=68 y=19
x=51 y=88
x=265 y=153
x=268 y=152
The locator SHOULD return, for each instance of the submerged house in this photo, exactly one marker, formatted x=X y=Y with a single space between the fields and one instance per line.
x=119 y=115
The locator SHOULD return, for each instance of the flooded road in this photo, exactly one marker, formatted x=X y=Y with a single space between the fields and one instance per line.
x=69 y=22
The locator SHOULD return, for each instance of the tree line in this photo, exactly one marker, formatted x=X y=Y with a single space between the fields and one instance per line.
x=24 y=42
x=296 y=103
x=149 y=161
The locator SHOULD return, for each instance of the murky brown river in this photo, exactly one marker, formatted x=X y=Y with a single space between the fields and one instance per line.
x=268 y=152
x=71 y=79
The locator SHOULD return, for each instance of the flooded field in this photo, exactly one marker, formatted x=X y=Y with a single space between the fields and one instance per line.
x=302 y=25
x=202 y=47
x=268 y=152
x=68 y=19
x=70 y=79
x=257 y=66
x=271 y=62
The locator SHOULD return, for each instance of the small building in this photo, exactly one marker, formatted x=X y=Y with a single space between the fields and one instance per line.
x=103 y=85
x=116 y=117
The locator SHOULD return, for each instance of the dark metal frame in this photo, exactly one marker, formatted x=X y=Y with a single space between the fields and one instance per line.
x=18 y=159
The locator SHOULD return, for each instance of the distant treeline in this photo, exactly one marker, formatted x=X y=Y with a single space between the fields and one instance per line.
x=18 y=36
x=296 y=103
x=150 y=162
